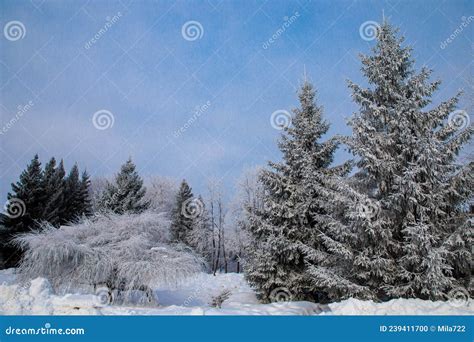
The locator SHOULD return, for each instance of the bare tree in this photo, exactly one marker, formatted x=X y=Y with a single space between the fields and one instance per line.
x=217 y=214
x=161 y=193
x=249 y=194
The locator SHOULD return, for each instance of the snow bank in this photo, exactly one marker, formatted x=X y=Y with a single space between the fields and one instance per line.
x=8 y=276
x=400 y=306
x=37 y=297
x=193 y=298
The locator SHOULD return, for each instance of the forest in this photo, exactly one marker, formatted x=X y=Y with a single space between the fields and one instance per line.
x=394 y=221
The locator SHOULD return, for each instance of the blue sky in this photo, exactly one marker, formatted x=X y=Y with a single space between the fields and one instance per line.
x=151 y=79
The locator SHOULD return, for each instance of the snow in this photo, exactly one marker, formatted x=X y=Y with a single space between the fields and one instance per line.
x=37 y=297
x=400 y=306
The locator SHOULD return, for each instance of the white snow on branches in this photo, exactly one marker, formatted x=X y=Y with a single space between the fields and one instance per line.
x=126 y=252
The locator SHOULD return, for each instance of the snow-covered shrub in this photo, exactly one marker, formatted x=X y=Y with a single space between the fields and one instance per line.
x=217 y=301
x=125 y=252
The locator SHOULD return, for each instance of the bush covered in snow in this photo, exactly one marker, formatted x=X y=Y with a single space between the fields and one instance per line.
x=126 y=252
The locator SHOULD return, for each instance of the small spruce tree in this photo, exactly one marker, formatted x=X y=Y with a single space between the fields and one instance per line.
x=183 y=216
x=125 y=195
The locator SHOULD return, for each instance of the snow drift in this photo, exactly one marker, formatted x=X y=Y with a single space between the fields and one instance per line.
x=36 y=297
x=125 y=253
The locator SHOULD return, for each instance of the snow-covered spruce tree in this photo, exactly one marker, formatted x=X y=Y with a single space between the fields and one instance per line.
x=412 y=234
x=23 y=209
x=125 y=195
x=293 y=233
x=183 y=220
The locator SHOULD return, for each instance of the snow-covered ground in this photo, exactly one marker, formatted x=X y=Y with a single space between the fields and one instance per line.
x=192 y=298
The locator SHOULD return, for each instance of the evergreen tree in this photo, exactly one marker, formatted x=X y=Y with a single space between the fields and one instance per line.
x=72 y=204
x=84 y=195
x=184 y=215
x=23 y=210
x=53 y=185
x=413 y=234
x=125 y=195
x=292 y=234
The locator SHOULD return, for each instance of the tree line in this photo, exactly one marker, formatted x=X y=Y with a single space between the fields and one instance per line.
x=42 y=194
x=49 y=195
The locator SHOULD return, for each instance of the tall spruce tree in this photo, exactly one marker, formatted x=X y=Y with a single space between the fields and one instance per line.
x=24 y=209
x=84 y=195
x=53 y=186
x=125 y=195
x=292 y=234
x=183 y=216
x=72 y=204
x=413 y=235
